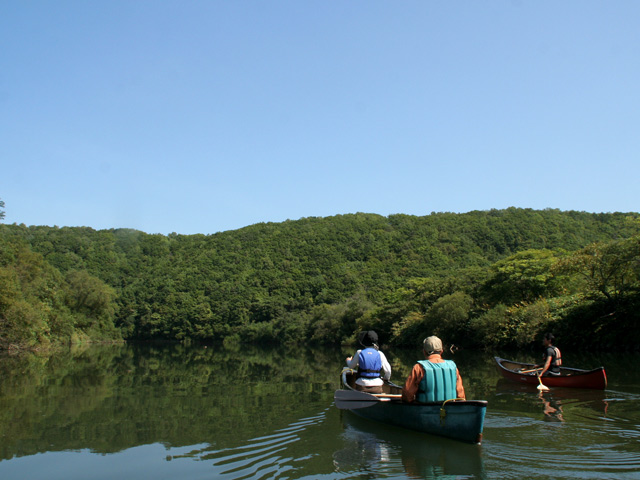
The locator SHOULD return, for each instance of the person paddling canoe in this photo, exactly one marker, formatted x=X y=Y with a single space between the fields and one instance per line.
x=552 y=357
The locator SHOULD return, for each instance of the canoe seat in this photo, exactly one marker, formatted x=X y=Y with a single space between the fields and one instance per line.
x=388 y=387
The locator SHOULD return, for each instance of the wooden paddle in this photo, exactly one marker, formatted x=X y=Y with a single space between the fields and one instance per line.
x=530 y=371
x=352 y=399
x=541 y=386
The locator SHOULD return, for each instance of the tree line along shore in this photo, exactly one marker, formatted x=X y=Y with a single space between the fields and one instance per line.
x=482 y=279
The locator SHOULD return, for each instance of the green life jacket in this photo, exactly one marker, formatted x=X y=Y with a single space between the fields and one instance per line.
x=439 y=382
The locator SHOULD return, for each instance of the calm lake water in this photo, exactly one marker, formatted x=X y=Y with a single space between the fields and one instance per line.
x=177 y=412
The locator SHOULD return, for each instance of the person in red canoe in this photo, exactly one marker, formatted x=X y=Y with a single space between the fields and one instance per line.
x=552 y=357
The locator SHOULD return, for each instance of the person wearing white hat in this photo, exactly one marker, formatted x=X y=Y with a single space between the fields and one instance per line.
x=433 y=379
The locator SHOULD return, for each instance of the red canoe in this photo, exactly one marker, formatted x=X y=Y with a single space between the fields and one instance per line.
x=569 y=377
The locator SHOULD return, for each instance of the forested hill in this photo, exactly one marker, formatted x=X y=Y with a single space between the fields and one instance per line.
x=495 y=277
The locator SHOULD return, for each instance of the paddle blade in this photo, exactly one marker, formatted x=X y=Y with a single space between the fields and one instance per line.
x=352 y=399
x=542 y=386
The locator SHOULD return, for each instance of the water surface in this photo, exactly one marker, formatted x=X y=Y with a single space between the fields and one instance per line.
x=173 y=411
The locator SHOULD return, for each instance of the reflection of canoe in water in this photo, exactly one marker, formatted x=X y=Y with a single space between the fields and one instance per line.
x=422 y=456
x=569 y=377
x=578 y=401
x=461 y=420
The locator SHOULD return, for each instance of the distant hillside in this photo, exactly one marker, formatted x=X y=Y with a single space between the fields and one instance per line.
x=316 y=279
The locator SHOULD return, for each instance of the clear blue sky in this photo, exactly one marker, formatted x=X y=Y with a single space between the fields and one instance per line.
x=205 y=116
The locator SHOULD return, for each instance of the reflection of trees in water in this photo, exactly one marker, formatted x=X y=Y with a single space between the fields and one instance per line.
x=111 y=398
x=296 y=451
x=115 y=397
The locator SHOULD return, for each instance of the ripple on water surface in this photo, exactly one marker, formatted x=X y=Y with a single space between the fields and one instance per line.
x=268 y=456
x=573 y=443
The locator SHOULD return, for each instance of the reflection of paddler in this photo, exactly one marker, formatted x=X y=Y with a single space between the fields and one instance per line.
x=583 y=400
x=552 y=408
x=363 y=449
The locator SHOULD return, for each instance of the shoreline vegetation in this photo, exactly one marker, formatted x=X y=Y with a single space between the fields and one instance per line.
x=480 y=280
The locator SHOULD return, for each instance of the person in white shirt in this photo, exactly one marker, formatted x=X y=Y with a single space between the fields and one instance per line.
x=370 y=363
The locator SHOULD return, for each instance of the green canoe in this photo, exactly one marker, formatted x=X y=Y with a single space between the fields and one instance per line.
x=457 y=419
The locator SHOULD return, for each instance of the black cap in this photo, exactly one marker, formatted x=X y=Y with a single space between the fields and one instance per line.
x=368 y=338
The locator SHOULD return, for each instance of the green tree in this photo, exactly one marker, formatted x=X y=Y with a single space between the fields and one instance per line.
x=448 y=317
x=298 y=279
x=490 y=329
x=32 y=308
x=608 y=269
x=523 y=277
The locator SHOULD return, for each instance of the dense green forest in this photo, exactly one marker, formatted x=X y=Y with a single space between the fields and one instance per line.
x=481 y=279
